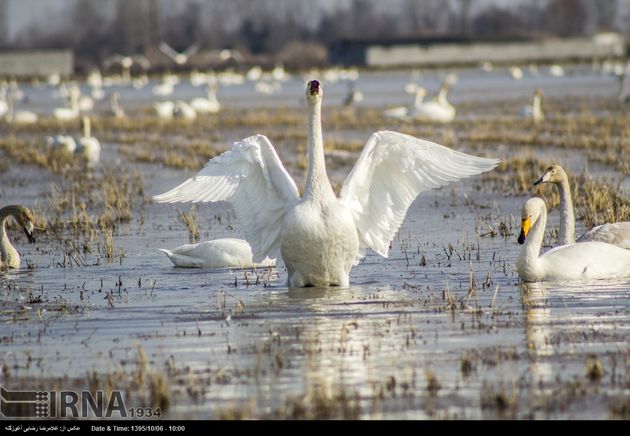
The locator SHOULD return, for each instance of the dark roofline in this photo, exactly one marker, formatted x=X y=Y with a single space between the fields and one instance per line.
x=429 y=40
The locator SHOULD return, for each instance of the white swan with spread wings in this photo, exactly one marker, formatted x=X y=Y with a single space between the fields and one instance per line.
x=319 y=236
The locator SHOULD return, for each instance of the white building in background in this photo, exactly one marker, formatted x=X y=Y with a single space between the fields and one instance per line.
x=37 y=63
x=453 y=51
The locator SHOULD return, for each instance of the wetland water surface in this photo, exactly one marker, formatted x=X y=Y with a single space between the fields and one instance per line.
x=440 y=329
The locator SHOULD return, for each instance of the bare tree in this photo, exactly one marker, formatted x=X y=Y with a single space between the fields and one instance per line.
x=606 y=11
x=565 y=17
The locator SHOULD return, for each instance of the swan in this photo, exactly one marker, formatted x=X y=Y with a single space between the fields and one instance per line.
x=267 y=88
x=534 y=111
x=9 y=256
x=164 y=88
x=556 y=70
x=126 y=62
x=20 y=116
x=516 y=73
x=353 y=95
x=584 y=261
x=437 y=110
x=617 y=233
x=164 y=109
x=72 y=111
x=64 y=142
x=115 y=109
x=319 y=236
x=88 y=146
x=94 y=79
x=180 y=58
x=184 y=110
x=220 y=253
x=402 y=112
x=254 y=73
x=4 y=106
x=208 y=105
x=86 y=103
x=198 y=79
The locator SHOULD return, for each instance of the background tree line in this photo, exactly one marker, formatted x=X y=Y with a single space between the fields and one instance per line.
x=280 y=29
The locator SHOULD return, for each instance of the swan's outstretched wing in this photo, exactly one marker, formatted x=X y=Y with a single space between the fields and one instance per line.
x=390 y=173
x=192 y=50
x=251 y=177
x=167 y=50
x=144 y=63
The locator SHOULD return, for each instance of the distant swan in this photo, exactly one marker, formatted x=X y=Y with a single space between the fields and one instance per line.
x=220 y=253
x=437 y=110
x=115 y=109
x=70 y=112
x=64 y=142
x=615 y=233
x=164 y=109
x=19 y=116
x=88 y=146
x=534 y=111
x=177 y=57
x=583 y=261
x=403 y=112
x=319 y=236
x=9 y=256
x=208 y=105
x=184 y=110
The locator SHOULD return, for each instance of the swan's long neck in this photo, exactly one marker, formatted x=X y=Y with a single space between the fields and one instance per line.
x=87 y=131
x=537 y=108
x=567 y=218
x=441 y=98
x=529 y=256
x=419 y=98
x=7 y=250
x=317 y=183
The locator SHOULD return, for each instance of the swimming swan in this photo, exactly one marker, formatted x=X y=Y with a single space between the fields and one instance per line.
x=219 y=253
x=437 y=110
x=9 y=257
x=617 y=233
x=583 y=261
x=87 y=145
x=208 y=105
x=403 y=112
x=319 y=236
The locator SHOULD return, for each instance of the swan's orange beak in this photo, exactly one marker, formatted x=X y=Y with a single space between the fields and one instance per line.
x=526 y=225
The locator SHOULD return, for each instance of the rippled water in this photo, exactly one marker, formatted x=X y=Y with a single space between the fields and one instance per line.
x=440 y=329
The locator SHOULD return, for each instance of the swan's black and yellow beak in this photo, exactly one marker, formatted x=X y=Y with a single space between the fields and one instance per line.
x=526 y=225
x=29 y=233
x=313 y=87
x=543 y=179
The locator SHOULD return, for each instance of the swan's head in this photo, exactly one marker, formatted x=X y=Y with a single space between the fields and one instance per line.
x=313 y=90
x=25 y=219
x=553 y=174
x=529 y=215
x=538 y=92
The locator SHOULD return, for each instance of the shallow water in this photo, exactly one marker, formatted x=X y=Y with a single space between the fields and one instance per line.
x=440 y=329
